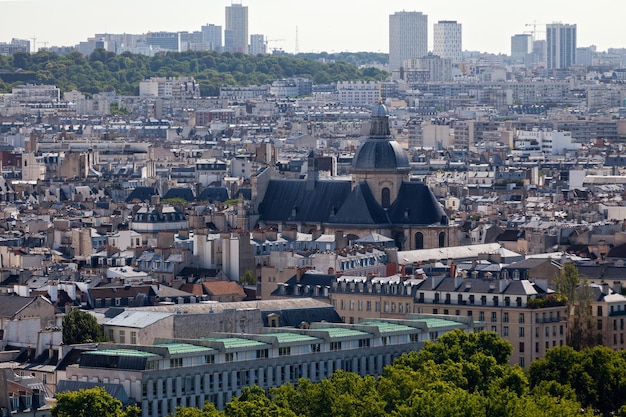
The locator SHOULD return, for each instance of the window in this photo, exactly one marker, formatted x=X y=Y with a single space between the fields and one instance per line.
x=442 y=239
x=385 y=197
x=176 y=362
x=505 y=317
x=505 y=331
x=133 y=338
x=111 y=338
x=284 y=351
x=521 y=361
x=368 y=306
x=229 y=357
x=262 y=353
x=481 y=316
x=360 y=305
x=209 y=358
x=122 y=336
x=364 y=343
x=521 y=332
x=419 y=240
x=521 y=347
x=494 y=317
x=494 y=329
x=521 y=318
x=335 y=345
x=315 y=347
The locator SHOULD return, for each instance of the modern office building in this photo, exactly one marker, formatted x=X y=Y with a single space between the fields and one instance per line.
x=408 y=37
x=212 y=37
x=257 y=44
x=164 y=40
x=521 y=46
x=236 y=28
x=189 y=372
x=560 y=45
x=448 y=40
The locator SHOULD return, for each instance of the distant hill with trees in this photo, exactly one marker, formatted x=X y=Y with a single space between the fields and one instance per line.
x=104 y=71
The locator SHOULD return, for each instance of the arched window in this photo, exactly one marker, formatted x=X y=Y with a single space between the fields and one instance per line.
x=419 y=240
x=442 y=239
x=385 y=197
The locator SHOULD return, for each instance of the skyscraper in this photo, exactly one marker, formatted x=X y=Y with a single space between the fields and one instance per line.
x=521 y=46
x=212 y=37
x=236 y=28
x=448 y=38
x=257 y=44
x=408 y=37
x=560 y=45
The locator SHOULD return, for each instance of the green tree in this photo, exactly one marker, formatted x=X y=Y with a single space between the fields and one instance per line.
x=581 y=332
x=253 y=402
x=93 y=402
x=207 y=411
x=81 y=327
x=248 y=278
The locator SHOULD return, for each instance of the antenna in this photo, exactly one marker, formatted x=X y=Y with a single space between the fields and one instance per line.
x=297 y=50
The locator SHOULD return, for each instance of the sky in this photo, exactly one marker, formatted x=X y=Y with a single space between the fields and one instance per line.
x=315 y=25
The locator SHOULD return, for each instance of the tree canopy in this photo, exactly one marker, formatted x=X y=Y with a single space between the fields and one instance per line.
x=93 y=402
x=104 y=71
x=463 y=374
x=81 y=327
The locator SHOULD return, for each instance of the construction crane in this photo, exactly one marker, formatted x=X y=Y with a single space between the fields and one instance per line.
x=267 y=41
x=534 y=26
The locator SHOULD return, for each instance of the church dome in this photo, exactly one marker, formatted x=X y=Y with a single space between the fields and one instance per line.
x=380 y=151
x=380 y=154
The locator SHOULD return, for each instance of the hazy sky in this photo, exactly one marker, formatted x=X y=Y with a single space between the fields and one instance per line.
x=322 y=25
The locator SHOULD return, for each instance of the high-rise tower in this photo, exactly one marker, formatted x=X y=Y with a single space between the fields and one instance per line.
x=560 y=45
x=521 y=47
x=447 y=38
x=236 y=28
x=408 y=37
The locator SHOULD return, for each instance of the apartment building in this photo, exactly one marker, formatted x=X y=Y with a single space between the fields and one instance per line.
x=187 y=372
x=526 y=313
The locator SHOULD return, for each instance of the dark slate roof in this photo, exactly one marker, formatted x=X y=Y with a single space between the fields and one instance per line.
x=380 y=154
x=295 y=317
x=142 y=194
x=246 y=192
x=212 y=194
x=360 y=208
x=10 y=305
x=115 y=390
x=591 y=271
x=307 y=280
x=180 y=192
x=416 y=204
x=510 y=235
x=289 y=200
x=618 y=251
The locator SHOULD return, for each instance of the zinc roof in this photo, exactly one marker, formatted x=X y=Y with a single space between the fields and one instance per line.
x=385 y=327
x=292 y=337
x=121 y=352
x=183 y=348
x=433 y=322
x=340 y=332
x=234 y=342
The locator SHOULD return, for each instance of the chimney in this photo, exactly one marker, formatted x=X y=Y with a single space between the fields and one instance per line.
x=331 y=271
x=605 y=289
x=452 y=270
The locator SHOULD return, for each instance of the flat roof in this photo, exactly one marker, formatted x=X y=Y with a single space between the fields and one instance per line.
x=292 y=337
x=121 y=352
x=386 y=327
x=235 y=342
x=340 y=332
x=433 y=322
x=183 y=348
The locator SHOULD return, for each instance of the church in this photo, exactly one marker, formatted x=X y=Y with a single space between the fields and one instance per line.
x=380 y=198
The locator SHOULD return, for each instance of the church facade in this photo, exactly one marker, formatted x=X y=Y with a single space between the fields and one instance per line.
x=380 y=198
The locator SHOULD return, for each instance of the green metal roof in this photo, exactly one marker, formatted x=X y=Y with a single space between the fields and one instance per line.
x=386 y=327
x=184 y=348
x=433 y=323
x=235 y=342
x=339 y=332
x=121 y=352
x=291 y=337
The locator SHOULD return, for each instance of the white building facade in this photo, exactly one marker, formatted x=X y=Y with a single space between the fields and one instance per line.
x=448 y=40
x=408 y=37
